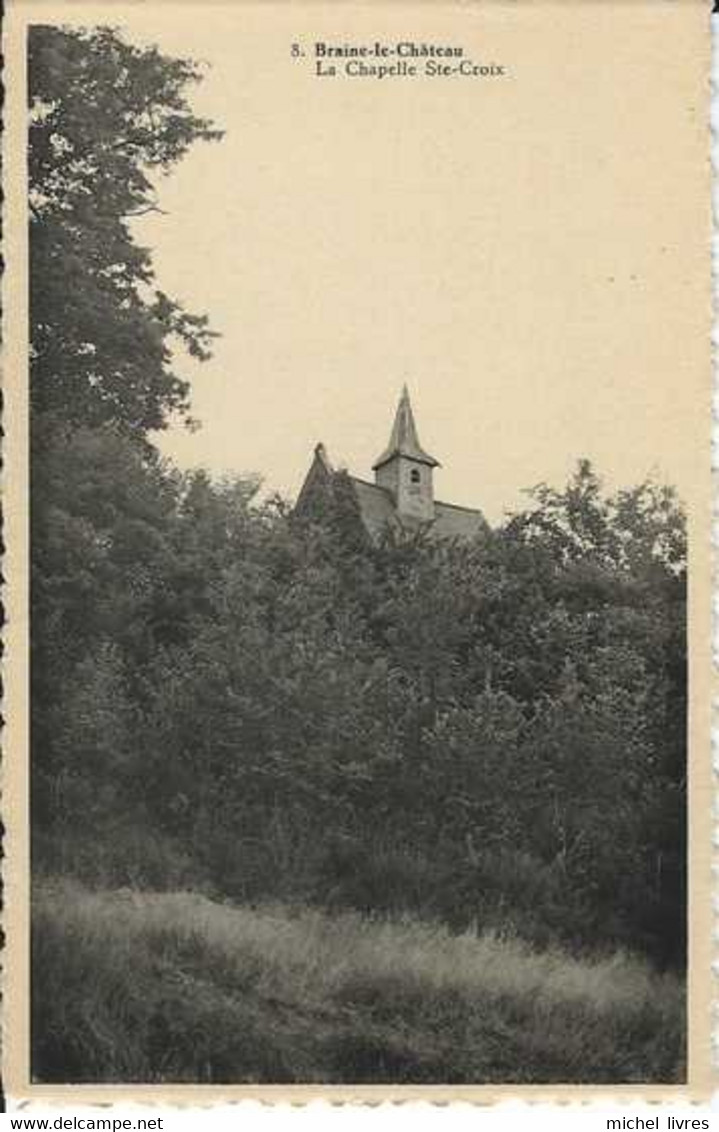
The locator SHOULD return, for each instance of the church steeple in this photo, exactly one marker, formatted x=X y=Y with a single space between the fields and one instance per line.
x=405 y=469
x=403 y=440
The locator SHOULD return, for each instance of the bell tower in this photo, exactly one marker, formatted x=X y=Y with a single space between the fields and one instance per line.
x=405 y=469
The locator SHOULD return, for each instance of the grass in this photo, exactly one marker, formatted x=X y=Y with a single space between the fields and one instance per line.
x=150 y=987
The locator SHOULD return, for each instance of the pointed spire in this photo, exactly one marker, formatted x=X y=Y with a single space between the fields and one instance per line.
x=404 y=440
x=321 y=455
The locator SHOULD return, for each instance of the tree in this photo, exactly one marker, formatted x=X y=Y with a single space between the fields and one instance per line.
x=638 y=531
x=104 y=116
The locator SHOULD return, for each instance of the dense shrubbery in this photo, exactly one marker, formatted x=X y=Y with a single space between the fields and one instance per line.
x=489 y=731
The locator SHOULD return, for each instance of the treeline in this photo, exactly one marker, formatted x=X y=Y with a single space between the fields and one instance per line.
x=224 y=695
x=227 y=695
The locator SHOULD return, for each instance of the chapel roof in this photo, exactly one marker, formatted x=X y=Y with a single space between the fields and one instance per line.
x=378 y=511
x=376 y=503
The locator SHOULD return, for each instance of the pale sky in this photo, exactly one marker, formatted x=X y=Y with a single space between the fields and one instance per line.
x=522 y=252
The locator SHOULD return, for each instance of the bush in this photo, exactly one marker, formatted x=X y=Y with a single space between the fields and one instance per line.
x=118 y=855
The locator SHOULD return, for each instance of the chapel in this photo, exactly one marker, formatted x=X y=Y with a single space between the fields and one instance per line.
x=402 y=494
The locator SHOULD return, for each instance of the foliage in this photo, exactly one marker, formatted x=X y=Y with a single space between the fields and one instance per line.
x=103 y=116
x=490 y=730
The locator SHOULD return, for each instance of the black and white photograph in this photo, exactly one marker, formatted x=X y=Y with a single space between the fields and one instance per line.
x=367 y=419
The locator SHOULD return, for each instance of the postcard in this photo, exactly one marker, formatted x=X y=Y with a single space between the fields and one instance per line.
x=358 y=670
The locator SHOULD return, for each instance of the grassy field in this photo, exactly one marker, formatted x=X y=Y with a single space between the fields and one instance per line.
x=148 y=987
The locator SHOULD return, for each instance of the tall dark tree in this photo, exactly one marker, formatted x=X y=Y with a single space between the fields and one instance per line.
x=106 y=117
